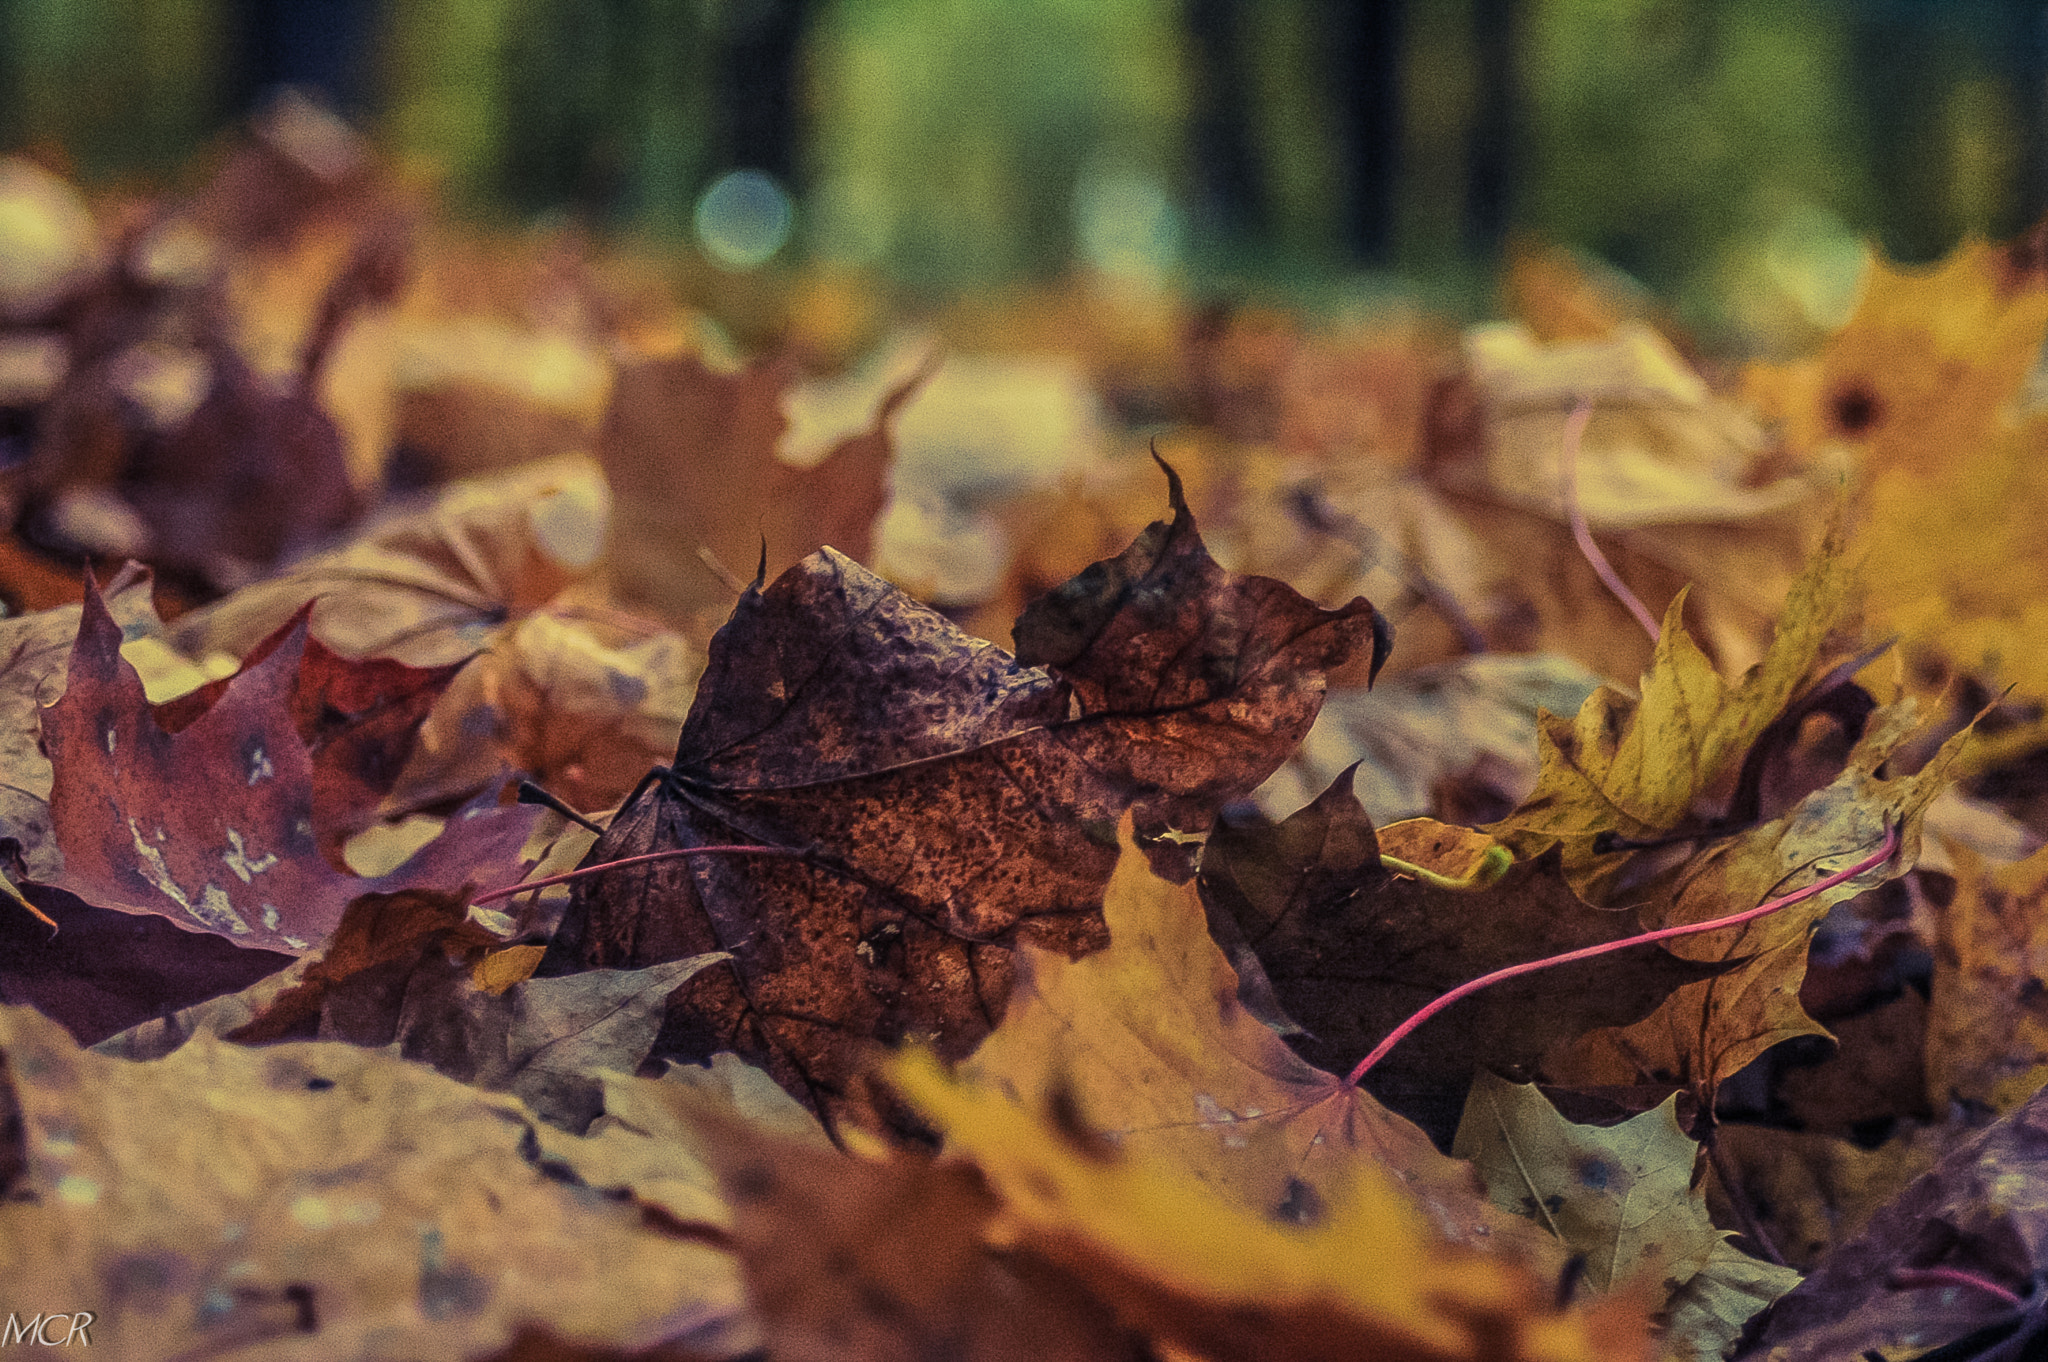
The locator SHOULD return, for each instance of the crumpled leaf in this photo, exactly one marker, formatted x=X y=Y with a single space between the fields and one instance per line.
x=1368 y=1279
x=1979 y=1210
x=872 y=1261
x=1987 y=1043
x=1624 y=1198
x=321 y=1201
x=1635 y=767
x=1705 y=1032
x=212 y=826
x=691 y=454
x=1455 y=741
x=948 y=801
x=1353 y=949
x=1146 y=1044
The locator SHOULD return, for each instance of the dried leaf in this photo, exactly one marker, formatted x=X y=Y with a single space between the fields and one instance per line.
x=1978 y=1211
x=1368 y=1279
x=1923 y=369
x=879 y=1262
x=1624 y=1198
x=691 y=454
x=947 y=800
x=428 y=586
x=1707 y=1031
x=1987 y=1043
x=1145 y=1044
x=322 y=1201
x=1634 y=768
x=35 y=653
x=1456 y=741
x=1353 y=949
x=212 y=826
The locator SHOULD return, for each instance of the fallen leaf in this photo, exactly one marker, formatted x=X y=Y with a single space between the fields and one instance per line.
x=1707 y=1031
x=1352 y=949
x=358 y=719
x=1978 y=1211
x=1146 y=1044
x=35 y=654
x=427 y=586
x=212 y=826
x=325 y=1200
x=849 y=1258
x=646 y=1144
x=1456 y=741
x=1367 y=1279
x=581 y=700
x=691 y=454
x=1661 y=447
x=1709 y=1313
x=1620 y=1195
x=1809 y=1192
x=546 y=1041
x=1987 y=1042
x=1634 y=768
x=1920 y=374
x=1624 y=1198
x=1876 y=1073
x=947 y=801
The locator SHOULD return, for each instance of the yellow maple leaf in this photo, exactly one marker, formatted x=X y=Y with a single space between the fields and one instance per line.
x=1920 y=373
x=1147 y=1042
x=1178 y=1260
x=1957 y=562
x=1634 y=766
x=1706 y=1031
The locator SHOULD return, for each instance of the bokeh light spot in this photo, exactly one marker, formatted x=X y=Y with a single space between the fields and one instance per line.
x=743 y=219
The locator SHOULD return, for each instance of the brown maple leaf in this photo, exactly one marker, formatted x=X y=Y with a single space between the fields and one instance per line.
x=937 y=800
x=691 y=455
x=1352 y=949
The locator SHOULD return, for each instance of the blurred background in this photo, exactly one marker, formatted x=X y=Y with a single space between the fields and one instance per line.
x=1725 y=154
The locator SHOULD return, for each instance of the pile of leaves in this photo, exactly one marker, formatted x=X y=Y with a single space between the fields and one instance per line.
x=515 y=843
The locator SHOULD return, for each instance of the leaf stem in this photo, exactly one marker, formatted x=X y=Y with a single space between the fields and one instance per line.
x=1906 y=1278
x=673 y=853
x=1466 y=990
x=1582 y=534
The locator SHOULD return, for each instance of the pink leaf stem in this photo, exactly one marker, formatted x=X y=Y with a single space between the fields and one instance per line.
x=1906 y=1278
x=1466 y=990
